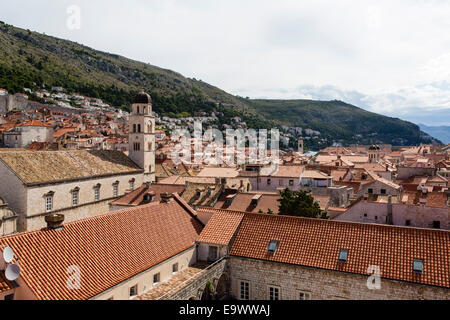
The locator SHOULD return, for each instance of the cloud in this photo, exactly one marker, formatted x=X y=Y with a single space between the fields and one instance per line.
x=387 y=56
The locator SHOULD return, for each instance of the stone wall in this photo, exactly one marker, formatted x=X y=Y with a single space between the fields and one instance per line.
x=195 y=289
x=320 y=284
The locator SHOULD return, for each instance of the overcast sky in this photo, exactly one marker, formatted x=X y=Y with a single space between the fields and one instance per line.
x=390 y=57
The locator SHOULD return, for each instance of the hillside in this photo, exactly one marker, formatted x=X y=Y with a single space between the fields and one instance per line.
x=440 y=132
x=341 y=122
x=33 y=60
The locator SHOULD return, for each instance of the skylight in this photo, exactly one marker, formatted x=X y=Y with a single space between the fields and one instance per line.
x=273 y=246
x=418 y=266
x=343 y=253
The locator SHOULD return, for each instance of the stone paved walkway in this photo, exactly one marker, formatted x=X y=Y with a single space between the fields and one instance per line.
x=182 y=279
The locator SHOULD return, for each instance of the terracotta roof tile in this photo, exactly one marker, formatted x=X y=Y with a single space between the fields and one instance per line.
x=49 y=166
x=221 y=227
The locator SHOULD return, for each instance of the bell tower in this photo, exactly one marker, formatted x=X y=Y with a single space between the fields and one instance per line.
x=300 y=145
x=141 y=136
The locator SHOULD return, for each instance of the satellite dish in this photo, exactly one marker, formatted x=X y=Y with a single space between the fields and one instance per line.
x=8 y=254
x=12 y=272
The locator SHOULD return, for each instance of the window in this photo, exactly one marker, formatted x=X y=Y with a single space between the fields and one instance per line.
x=273 y=246
x=156 y=278
x=139 y=128
x=370 y=190
x=131 y=184
x=383 y=191
x=291 y=183
x=48 y=203
x=75 y=198
x=134 y=127
x=407 y=222
x=281 y=182
x=9 y=297
x=269 y=182
x=133 y=291
x=116 y=189
x=436 y=224
x=365 y=215
x=138 y=109
x=418 y=265
x=274 y=293
x=244 y=290
x=212 y=255
x=343 y=253
x=175 y=267
x=304 y=296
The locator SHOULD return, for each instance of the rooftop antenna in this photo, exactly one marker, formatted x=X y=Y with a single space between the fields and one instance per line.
x=8 y=254
x=12 y=271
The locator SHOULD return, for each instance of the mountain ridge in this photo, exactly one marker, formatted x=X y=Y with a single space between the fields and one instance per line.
x=31 y=59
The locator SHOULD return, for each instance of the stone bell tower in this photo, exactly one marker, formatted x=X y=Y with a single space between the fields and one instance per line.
x=300 y=145
x=141 y=136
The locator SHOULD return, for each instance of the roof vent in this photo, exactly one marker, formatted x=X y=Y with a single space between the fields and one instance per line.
x=418 y=265
x=165 y=197
x=54 y=220
x=343 y=254
x=273 y=246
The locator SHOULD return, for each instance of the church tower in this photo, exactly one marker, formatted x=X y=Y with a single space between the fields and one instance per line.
x=141 y=136
x=300 y=145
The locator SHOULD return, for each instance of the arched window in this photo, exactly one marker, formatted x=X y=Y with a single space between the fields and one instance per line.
x=137 y=109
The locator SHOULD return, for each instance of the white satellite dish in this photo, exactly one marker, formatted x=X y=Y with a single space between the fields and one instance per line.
x=8 y=254
x=12 y=272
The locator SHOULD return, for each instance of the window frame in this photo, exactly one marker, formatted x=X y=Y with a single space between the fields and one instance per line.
x=305 y=293
x=244 y=290
x=158 y=278
x=135 y=288
x=273 y=292
x=48 y=204
x=75 y=198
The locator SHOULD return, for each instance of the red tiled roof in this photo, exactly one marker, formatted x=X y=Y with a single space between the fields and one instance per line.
x=35 y=123
x=136 y=197
x=108 y=249
x=221 y=227
x=5 y=284
x=306 y=242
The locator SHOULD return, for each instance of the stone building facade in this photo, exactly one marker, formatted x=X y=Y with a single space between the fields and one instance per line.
x=78 y=184
x=298 y=283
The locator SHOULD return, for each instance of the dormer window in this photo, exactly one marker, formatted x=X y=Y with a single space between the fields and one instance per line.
x=343 y=253
x=418 y=265
x=273 y=246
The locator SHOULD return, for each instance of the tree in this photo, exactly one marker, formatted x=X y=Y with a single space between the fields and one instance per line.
x=299 y=204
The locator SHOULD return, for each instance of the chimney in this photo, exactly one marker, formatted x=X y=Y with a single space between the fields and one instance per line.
x=54 y=220
x=166 y=197
x=389 y=219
